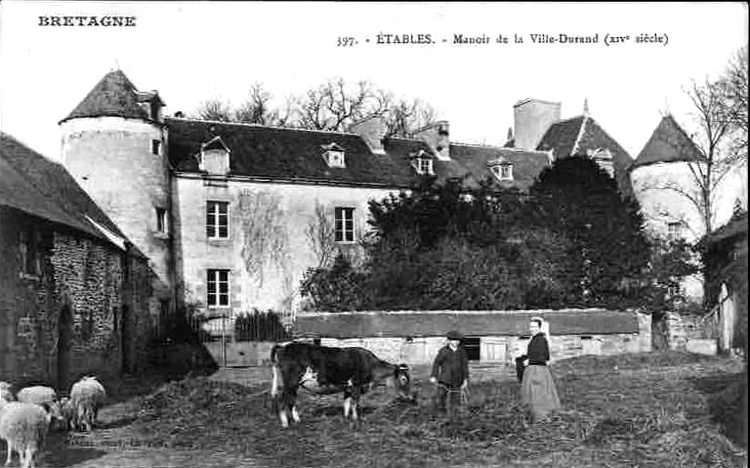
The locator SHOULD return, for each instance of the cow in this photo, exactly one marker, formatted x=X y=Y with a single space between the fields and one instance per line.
x=328 y=370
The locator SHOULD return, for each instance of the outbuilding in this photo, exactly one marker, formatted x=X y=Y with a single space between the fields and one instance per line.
x=414 y=337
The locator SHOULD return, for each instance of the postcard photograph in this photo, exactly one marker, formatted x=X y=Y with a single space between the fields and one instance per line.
x=373 y=234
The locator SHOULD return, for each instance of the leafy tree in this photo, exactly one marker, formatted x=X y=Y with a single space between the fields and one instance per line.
x=581 y=201
x=335 y=289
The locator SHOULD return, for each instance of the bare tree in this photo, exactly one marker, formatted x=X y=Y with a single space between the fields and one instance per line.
x=214 y=109
x=734 y=86
x=404 y=118
x=257 y=108
x=335 y=105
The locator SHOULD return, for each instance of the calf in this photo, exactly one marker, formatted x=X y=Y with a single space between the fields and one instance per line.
x=328 y=370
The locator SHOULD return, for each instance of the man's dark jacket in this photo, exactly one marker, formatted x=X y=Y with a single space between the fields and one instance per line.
x=451 y=368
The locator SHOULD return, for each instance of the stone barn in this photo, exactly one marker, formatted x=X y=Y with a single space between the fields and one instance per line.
x=75 y=297
x=415 y=337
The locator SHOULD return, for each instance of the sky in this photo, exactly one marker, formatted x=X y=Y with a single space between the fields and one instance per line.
x=193 y=51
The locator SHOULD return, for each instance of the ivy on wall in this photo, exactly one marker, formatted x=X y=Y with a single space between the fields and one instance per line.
x=265 y=239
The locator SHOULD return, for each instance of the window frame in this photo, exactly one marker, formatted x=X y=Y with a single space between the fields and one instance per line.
x=336 y=159
x=216 y=214
x=214 y=281
x=424 y=166
x=162 y=223
x=674 y=229
x=344 y=229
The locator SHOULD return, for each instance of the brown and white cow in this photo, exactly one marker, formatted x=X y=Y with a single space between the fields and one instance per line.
x=328 y=370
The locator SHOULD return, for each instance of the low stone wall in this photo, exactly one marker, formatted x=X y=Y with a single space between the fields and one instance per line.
x=500 y=349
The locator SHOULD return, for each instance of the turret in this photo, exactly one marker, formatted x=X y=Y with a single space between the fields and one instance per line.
x=113 y=143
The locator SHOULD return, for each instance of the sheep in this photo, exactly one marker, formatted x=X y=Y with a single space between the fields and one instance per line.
x=24 y=427
x=46 y=397
x=37 y=394
x=64 y=410
x=87 y=396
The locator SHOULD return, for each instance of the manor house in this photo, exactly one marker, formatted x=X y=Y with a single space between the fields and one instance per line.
x=231 y=215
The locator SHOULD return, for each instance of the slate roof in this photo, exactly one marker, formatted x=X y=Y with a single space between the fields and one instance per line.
x=288 y=154
x=580 y=134
x=470 y=323
x=668 y=143
x=297 y=155
x=114 y=95
x=473 y=161
x=38 y=186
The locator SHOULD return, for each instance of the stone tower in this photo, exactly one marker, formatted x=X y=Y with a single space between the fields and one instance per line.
x=114 y=145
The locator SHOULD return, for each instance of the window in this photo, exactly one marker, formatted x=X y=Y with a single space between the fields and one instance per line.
x=674 y=230
x=156 y=147
x=472 y=347
x=424 y=166
x=336 y=159
x=344 y=224
x=217 y=288
x=503 y=171
x=30 y=239
x=217 y=220
x=333 y=155
x=161 y=220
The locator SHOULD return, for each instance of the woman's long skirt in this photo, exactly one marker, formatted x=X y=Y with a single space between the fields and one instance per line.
x=538 y=391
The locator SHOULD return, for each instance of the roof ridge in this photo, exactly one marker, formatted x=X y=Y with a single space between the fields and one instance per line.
x=581 y=129
x=569 y=119
x=253 y=125
x=502 y=148
x=465 y=312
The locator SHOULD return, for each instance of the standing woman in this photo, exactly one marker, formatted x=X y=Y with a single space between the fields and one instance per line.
x=538 y=390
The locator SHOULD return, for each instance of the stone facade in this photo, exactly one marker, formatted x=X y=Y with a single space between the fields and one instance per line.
x=72 y=314
x=276 y=232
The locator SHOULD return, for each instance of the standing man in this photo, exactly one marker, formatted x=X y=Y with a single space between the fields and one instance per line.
x=450 y=372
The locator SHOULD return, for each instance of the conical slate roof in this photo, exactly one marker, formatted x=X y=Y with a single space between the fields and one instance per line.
x=113 y=96
x=668 y=143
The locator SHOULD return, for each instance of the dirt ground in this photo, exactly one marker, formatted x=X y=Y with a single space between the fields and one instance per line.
x=215 y=422
x=60 y=453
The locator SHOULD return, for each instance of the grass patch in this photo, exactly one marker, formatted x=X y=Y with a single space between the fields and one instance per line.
x=649 y=410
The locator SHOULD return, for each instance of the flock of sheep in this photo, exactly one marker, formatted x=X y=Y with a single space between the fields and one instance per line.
x=26 y=417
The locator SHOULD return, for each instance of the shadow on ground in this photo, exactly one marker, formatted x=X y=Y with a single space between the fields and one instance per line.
x=727 y=398
x=58 y=454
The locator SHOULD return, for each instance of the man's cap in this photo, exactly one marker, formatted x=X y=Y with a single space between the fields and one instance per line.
x=454 y=335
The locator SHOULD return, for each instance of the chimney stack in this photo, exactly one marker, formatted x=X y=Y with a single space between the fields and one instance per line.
x=531 y=119
x=437 y=136
x=372 y=130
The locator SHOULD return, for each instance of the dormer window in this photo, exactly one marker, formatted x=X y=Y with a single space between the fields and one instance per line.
x=214 y=157
x=333 y=155
x=503 y=170
x=422 y=163
x=424 y=166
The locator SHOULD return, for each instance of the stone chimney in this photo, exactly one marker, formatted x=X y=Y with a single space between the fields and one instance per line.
x=531 y=119
x=437 y=136
x=372 y=130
